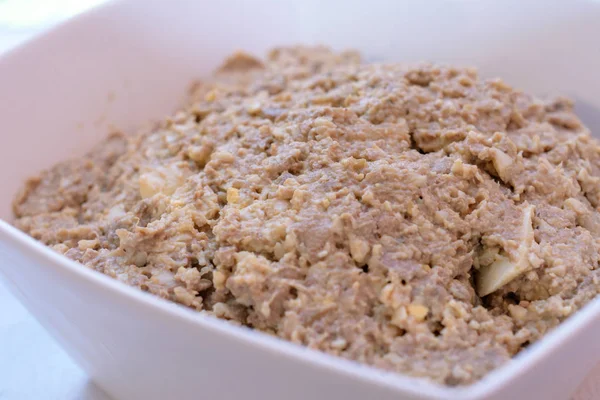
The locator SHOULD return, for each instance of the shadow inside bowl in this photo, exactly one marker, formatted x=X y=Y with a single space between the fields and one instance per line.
x=590 y=115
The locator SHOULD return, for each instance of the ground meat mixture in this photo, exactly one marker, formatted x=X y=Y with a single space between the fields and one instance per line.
x=412 y=217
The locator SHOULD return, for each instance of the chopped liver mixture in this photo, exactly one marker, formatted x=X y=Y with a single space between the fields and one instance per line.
x=415 y=218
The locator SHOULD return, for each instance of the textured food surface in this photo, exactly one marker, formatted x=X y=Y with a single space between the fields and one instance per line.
x=412 y=217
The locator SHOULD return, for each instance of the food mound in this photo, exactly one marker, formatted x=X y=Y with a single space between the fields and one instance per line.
x=415 y=218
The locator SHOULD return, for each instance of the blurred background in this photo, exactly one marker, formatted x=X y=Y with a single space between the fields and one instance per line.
x=20 y=19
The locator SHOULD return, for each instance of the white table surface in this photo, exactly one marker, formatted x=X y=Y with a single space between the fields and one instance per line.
x=34 y=367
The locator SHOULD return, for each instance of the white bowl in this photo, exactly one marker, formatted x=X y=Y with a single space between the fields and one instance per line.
x=130 y=62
